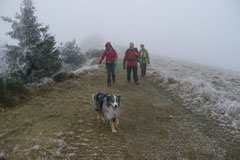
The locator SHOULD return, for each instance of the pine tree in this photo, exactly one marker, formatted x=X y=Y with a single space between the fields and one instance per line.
x=71 y=55
x=94 y=53
x=35 y=56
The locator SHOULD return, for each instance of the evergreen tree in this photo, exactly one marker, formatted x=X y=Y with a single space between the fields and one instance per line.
x=94 y=53
x=71 y=55
x=35 y=56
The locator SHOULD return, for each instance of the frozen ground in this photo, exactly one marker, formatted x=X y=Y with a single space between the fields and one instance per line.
x=210 y=90
x=59 y=122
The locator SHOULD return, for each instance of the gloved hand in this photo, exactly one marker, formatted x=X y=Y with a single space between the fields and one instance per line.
x=148 y=62
x=100 y=62
x=124 y=67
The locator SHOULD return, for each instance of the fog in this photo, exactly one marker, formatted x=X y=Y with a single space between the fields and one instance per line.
x=206 y=31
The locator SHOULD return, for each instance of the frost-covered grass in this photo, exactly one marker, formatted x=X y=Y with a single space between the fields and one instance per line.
x=89 y=65
x=211 y=90
x=2 y=155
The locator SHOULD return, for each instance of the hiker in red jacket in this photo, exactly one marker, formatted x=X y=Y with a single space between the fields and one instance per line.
x=131 y=57
x=111 y=56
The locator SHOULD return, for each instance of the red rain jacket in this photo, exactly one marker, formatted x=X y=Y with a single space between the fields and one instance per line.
x=110 y=55
x=131 y=56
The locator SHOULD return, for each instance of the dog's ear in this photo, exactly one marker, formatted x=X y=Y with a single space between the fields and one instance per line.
x=119 y=97
x=109 y=97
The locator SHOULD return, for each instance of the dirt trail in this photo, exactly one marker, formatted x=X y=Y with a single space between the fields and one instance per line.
x=59 y=123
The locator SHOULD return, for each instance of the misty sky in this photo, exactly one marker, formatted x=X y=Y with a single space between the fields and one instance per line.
x=204 y=31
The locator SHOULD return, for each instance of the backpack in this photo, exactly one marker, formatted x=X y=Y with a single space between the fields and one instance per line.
x=136 y=50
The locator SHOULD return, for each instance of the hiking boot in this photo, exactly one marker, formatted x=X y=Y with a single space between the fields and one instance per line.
x=128 y=81
x=109 y=85
x=136 y=83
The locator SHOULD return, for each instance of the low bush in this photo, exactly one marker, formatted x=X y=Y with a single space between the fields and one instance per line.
x=12 y=92
x=94 y=53
x=62 y=76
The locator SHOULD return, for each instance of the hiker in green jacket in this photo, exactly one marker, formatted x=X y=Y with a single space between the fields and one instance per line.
x=144 y=60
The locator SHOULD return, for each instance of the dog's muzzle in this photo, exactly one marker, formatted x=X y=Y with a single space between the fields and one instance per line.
x=115 y=107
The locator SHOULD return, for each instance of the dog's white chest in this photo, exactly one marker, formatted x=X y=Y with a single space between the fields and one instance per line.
x=110 y=113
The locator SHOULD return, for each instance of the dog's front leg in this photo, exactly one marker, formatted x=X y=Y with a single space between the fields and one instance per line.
x=113 y=125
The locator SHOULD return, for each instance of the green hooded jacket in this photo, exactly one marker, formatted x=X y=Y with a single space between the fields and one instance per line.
x=144 y=57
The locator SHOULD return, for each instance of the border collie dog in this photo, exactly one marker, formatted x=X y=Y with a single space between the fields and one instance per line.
x=107 y=107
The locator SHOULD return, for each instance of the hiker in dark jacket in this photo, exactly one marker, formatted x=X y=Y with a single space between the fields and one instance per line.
x=131 y=57
x=144 y=60
x=111 y=57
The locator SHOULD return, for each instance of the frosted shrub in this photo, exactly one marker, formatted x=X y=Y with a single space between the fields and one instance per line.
x=94 y=53
x=71 y=56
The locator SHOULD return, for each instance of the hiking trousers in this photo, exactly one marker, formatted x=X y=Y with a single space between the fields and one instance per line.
x=143 y=69
x=129 y=70
x=110 y=66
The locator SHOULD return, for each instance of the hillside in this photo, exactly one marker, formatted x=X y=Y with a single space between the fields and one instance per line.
x=59 y=123
x=208 y=90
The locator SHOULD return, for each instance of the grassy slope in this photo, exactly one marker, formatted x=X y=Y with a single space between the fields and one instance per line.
x=59 y=123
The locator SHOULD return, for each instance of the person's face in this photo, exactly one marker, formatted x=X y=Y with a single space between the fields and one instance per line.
x=142 y=46
x=108 y=46
x=131 y=45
